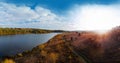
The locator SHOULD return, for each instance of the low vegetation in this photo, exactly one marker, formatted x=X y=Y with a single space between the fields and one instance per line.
x=8 y=61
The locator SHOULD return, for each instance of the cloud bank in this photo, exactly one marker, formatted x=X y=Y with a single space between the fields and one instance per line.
x=79 y=17
x=23 y=16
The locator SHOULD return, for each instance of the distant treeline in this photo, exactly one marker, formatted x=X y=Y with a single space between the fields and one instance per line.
x=11 y=31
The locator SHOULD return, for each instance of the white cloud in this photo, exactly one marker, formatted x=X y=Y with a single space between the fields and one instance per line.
x=85 y=17
x=23 y=16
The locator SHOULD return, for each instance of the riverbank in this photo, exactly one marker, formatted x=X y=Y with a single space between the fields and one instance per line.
x=56 y=50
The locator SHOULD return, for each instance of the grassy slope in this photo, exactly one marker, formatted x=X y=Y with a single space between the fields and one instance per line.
x=55 y=50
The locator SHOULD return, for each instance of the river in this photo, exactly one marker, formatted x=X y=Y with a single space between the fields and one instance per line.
x=13 y=44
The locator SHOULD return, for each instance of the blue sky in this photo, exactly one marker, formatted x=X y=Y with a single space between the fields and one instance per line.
x=57 y=14
x=58 y=5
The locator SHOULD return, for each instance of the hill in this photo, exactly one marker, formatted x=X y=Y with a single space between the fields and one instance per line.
x=74 y=47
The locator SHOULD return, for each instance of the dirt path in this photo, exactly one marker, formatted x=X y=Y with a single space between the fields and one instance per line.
x=74 y=37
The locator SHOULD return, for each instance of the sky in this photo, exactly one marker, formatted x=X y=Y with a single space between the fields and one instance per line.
x=60 y=14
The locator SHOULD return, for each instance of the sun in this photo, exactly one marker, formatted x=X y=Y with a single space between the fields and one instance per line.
x=96 y=18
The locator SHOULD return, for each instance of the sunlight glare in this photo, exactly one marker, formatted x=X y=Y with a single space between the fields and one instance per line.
x=96 y=17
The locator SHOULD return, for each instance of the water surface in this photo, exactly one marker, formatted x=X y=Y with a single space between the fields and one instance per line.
x=12 y=44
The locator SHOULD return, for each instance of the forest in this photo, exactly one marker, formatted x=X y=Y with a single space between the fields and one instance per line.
x=12 y=31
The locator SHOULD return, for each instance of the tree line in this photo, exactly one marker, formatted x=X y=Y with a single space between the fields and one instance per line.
x=11 y=31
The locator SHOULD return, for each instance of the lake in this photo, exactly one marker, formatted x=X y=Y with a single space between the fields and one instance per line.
x=13 y=44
